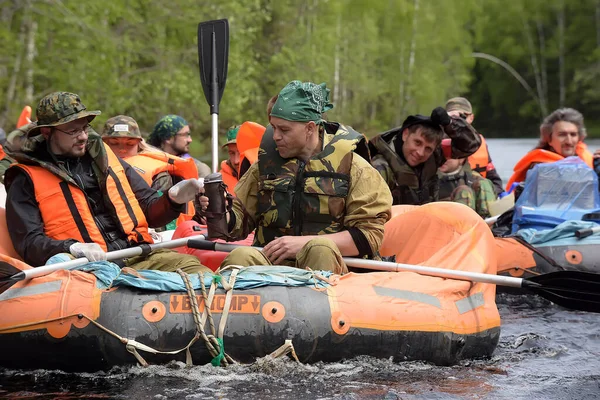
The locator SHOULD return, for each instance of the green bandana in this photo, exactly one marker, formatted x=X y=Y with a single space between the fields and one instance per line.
x=302 y=102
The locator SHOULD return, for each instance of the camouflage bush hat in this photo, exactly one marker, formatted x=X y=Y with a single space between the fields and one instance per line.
x=302 y=102
x=60 y=108
x=459 y=104
x=232 y=135
x=165 y=128
x=121 y=126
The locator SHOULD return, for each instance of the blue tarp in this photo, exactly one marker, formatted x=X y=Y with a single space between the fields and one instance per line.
x=556 y=192
x=110 y=275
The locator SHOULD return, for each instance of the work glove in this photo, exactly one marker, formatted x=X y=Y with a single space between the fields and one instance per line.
x=186 y=191
x=91 y=251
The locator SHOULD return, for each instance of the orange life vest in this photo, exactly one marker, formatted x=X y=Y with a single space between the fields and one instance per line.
x=2 y=153
x=67 y=215
x=480 y=160
x=151 y=163
x=538 y=156
x=582 y=151
x=228 y=176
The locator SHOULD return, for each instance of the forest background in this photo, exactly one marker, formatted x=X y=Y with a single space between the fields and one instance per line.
x=516 y=60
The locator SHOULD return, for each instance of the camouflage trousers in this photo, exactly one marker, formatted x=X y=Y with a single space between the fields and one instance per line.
x=317 y=254
x=478 y=198
x=167 y=260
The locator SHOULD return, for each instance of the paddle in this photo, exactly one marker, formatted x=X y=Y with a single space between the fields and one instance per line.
x=571 y=289
x=10 y=275
x=213 y=54
x=583 y=233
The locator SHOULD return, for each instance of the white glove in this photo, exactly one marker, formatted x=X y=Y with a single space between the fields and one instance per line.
x=91 y=251
x=186 y=191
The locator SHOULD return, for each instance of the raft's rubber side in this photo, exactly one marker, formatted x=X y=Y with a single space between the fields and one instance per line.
x=307 y=322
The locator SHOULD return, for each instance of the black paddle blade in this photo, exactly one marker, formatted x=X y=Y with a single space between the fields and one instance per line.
x=213 y=55
x=8 y=275
x=570 y=289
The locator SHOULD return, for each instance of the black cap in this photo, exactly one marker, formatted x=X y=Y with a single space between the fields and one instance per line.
x=439 y=118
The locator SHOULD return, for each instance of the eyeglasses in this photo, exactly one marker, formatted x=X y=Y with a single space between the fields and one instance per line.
x=74 y=132
x=189 y=134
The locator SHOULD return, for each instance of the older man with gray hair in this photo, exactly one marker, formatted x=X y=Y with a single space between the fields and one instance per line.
x=561 y=135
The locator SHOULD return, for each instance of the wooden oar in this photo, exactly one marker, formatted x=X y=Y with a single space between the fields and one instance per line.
x=10 y=275
x=571 y=289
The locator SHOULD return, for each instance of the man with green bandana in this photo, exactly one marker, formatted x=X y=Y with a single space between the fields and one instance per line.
x=312 y=196
x=172 y=134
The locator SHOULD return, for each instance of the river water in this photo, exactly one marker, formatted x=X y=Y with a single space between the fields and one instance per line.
x=545 y=352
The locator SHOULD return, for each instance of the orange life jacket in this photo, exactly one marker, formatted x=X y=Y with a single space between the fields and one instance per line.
x=480 y=160
x=2 y=153
x=150 y=163
x=67 y=215
x=228 y=177
x=538 y=156
x=582 y=151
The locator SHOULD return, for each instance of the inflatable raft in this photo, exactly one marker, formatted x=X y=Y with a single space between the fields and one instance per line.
x=533 y=252
x=101 y=316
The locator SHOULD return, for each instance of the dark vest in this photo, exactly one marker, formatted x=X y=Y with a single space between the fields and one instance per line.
x=305 y=198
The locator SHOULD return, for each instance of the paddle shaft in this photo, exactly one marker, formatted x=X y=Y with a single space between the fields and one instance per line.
x=583 y=233
x=112 y=255
x=389 y=266
x=214 y=107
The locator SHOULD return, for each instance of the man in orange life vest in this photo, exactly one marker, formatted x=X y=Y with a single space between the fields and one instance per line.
x=480 y=161
x=69 y=193
x=561 y=135
x=230 y=167
x=159 y=169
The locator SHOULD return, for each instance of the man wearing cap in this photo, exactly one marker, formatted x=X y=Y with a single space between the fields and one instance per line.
x=408 y=157
x=480 y=161
x=69 y=193
x=159 y=169
x=311 y=197
x=230 y=167
x=172 y=134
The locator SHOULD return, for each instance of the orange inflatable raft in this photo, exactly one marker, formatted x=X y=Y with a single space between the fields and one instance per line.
x=66 y=321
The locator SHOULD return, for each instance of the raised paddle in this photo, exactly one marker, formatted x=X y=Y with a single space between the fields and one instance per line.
x=9 y=275
x=213 y=55
x=571 y=289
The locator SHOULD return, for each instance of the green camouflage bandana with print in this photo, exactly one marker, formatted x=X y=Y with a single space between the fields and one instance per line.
x=302 y=102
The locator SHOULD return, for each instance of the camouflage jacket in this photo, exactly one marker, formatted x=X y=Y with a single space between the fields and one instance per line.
x=469 y=188
x=409 y=185
x=327 y=201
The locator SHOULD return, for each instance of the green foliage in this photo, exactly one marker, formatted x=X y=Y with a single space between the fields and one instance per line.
x=383 y=60
x=526 y=34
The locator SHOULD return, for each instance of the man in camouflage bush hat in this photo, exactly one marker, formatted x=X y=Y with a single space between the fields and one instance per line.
x=69 y=193
x=312 y=196
x=172 y=134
